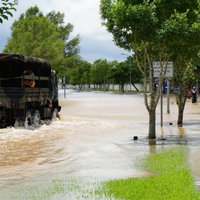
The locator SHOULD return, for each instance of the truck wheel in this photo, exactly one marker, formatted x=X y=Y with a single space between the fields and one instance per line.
x=28 y=120
x=3 y=123
x=36 y=118
x=17 y=122
x=54 y=115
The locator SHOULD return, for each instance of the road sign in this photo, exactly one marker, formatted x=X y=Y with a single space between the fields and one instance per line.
x=157 y=68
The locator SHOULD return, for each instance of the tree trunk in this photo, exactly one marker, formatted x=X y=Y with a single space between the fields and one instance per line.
x=135 y=87
x=180 y=117
x=152 y=124
x=181 y=100
x=153 y=95
x=122 y=87
x=80 y=87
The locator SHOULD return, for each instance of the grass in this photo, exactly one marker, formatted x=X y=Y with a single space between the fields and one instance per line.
x=171 y=180
x=56 y=189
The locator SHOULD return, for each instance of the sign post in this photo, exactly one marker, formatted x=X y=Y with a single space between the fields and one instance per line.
x=161 y=107
x=168 y=73
x=168 y=96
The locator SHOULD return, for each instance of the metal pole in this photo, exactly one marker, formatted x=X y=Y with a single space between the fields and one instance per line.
x=64 y=87
x=168 y=97
x=130 y=79
x=65 y=91
x=161 y=106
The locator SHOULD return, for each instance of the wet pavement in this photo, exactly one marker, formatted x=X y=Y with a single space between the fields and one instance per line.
x=93 y=142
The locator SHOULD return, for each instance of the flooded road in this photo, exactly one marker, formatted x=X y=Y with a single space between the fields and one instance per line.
x=91 y=142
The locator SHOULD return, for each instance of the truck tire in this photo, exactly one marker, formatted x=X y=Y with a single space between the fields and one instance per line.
x=36 y=118
x=18 y=122
x=54 y=115
x=28 y=120
x=3 y=122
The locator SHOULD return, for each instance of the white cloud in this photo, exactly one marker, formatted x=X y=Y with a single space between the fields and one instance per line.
x=83 y=14
x=85 y=17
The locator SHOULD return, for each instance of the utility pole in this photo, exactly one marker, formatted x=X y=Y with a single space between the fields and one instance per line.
x=130 y=79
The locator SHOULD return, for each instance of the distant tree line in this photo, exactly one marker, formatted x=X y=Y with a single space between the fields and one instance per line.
x=103 y=73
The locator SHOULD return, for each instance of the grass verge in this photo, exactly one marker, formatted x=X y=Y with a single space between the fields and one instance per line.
x=171 y=180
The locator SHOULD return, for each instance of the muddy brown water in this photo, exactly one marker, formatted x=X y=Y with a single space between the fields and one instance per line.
x=93 y=141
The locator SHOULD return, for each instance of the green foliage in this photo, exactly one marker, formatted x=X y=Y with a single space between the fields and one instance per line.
x=170 y=179
x=79 y=74
x=6 y=9
x=128 y=22
x=159 y=25
x=121 y=73
x=100 y=72
x=56 y=18
x=31 y=12
x=103 y=73
x=71 y=45
x=136 y=75
x=43 y=36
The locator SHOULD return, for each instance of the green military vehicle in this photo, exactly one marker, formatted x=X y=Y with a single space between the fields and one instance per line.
x=28 y=91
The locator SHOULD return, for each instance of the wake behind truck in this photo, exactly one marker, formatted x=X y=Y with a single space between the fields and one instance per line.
x=28 y=91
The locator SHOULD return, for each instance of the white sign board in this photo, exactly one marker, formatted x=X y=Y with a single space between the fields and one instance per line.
x=157 y=68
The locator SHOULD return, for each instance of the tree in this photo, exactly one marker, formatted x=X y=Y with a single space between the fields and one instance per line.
x=71 y=46
x=121 y=74
x=7 y=8
x=144 y=27
x=100 y=73
x=183 y=43
x=184 y=78
x=79 y=74
x=43 y=36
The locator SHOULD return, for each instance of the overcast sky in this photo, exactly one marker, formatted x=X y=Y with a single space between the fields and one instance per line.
x=95 y=43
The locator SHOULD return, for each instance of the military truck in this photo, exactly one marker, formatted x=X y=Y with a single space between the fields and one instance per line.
x=28 y=91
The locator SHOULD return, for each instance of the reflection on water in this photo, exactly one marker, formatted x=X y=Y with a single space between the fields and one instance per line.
x=93 y=141
x=181 y=131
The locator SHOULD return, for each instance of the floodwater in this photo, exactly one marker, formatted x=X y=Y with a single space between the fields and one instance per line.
x=91 y=142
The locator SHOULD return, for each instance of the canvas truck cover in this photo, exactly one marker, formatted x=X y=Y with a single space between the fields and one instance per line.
x=14 y=65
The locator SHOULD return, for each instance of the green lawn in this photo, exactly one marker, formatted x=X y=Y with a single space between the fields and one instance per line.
x=170 y=180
